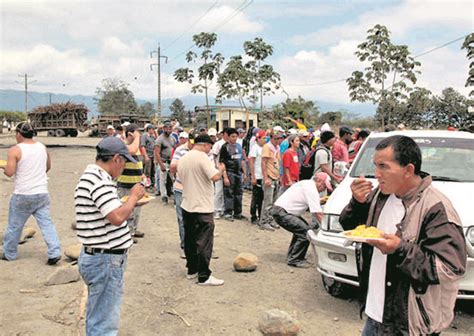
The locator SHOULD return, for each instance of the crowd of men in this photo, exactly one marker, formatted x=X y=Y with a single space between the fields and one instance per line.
x=205 y=172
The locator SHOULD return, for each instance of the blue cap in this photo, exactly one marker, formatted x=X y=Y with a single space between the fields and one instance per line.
x=111 y=146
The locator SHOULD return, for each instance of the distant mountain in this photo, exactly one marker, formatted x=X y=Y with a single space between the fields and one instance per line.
x=13 y=100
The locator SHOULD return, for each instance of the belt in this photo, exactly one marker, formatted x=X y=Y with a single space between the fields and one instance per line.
x=94 y=250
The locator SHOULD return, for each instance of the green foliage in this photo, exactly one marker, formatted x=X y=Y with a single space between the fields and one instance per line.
x=12 y=116
x=469 y=46
x=209 y=66
x=449 y=109
x=293 y=108
x=201 y=118
x=178 y=111
x=384 y=60
x=332 y=118
x=146 y=109
x=249 y=81
x=114 y=98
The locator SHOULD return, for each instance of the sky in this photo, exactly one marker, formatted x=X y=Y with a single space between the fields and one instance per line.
x=71 y=46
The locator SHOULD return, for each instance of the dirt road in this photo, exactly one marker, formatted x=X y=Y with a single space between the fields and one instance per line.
x=155 y=284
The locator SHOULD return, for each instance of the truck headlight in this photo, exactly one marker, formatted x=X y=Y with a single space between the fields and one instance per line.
x=331 y=223
x=470 y=235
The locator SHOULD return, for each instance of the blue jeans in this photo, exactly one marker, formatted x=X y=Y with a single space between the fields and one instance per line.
x=372 y=328
x=103 y=275
x=178 y=198
x=21 y=208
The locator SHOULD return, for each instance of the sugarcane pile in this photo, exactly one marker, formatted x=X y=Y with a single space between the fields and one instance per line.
x=60 y=111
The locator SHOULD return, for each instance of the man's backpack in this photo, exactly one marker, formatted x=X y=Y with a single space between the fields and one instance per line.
x=307 y=168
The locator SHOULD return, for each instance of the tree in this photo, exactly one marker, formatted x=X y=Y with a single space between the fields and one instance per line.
x=469 y=46
x=332 y=118
x=178 y=111
x=417 y=108
x=265 y=76
x=146 y=109
x=115 y=98
x=12 y=116
x=385 y=60
x=242 y=81
x=207 y=71
x=449 y=109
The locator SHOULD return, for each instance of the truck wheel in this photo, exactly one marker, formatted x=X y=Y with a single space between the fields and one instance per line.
x=333 y=287
x=60 y=133
x=51 y=133
x=73 y=133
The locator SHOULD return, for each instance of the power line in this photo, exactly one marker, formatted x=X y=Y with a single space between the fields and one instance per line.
x=415 y=56
x=240 y=8
x=191 y=26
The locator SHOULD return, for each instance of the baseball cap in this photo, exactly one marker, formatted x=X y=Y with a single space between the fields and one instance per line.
x=202 y=128
x=149 y=126
x=131 y=128
x=204 y=138
x=240 y=130
x=260 y=134
x=327 y=180
x=278 y=129
x=292 y=131
x=110 y=127
x=184 y=135
x=111 y=146
x=344 y=130
x=125 y=124
x=212 y=132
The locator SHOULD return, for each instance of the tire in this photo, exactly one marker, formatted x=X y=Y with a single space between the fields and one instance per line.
x=51 y=133
x=60 y=133
x=333 y=287
x=73 y=133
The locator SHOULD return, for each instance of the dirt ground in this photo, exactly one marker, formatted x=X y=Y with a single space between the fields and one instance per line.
x=155 y=284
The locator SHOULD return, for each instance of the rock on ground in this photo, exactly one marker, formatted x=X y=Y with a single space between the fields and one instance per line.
x=245 y=262
x=275 y=322
x=63 y=275
x=73 y=251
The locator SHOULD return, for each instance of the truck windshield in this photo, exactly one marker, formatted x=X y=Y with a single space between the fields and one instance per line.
x=443 y=158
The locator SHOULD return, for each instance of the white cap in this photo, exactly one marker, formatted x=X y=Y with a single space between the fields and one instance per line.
x=325 y=127
x=278 y=129
x=212 y=132
x=125 y=124
x=184 y=135
x=292 y=131
x=110 y=127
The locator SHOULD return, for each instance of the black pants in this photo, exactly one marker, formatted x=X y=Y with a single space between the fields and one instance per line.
x=257 y=200
x=198 y=242
x=233 y=195
x=296 y=225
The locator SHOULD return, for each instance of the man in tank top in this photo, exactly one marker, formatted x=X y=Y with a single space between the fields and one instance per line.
x=29 y=162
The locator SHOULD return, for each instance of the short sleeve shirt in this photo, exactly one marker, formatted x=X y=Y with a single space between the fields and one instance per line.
x=273 y=164
x=299 y=197
x=148 y=142
x=166 y=146
x=291 y=162
x=195 y=171
x=231 y=157
x=322 y=156
x=256 y=153
x=340 y=151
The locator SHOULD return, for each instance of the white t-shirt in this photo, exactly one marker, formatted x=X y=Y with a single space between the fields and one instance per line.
x=256 y=152
x=391 y=214
x=322 y=157
x=299 y=197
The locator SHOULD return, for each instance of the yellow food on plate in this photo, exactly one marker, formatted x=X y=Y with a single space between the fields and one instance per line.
x=323 y=199
x=366 y=232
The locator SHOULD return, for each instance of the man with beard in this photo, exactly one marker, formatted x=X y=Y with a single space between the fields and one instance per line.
x=162 y=152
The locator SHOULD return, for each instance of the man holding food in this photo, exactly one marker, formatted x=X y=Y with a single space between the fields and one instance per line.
x=410 y=279
x=102 y=229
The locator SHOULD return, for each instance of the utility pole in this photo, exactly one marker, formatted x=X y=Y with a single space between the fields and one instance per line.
x=26 y=90
x=158 y=66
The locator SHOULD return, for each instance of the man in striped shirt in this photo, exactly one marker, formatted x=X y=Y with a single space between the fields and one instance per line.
x=102 y=229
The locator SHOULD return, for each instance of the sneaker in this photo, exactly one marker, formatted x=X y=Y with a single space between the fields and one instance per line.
x=299 y=264
x=211 y=281
x=157 y=193
x=240 y=217
x=267 y=227
x=274 y=225
x=228 y=217
x=191 y=276
x=53 y=261
x=139 y=234
x=164 y=199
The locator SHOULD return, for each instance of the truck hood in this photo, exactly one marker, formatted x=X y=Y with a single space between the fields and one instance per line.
x=458 y=192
